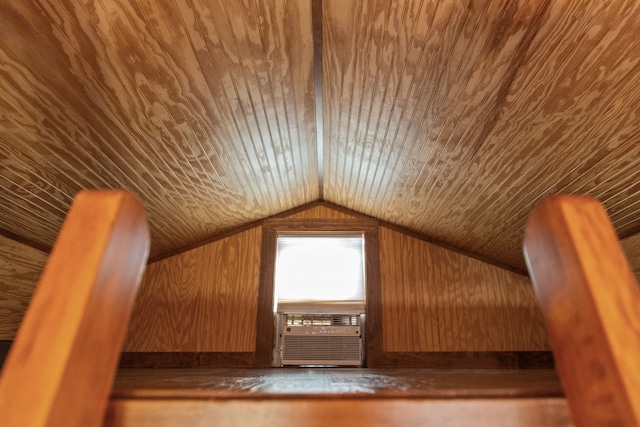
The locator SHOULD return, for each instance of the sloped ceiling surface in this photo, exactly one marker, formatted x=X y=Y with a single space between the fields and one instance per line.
x=449 y=118
x=204 y=109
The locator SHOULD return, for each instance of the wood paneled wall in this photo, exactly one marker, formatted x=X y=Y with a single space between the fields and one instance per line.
x=321 y=212
x=631 y=247
x=20 y=270
x=203 y=300
x=434 y=299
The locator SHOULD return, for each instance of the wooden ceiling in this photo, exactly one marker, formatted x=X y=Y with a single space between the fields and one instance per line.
x=449 y=118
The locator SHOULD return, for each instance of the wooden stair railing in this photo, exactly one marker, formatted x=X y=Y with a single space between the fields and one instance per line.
x=61 y=366
x=591 y=304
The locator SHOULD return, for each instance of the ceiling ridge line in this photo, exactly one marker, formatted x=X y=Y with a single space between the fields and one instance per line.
x=318 y=33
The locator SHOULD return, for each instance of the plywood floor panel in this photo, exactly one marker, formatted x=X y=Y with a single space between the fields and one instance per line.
x=335 y=383
x=353 y=397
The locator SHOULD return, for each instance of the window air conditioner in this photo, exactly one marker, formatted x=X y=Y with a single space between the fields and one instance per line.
x=320 y=339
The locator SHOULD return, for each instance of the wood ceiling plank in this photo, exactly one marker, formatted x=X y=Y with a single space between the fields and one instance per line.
x=203 y=109
x=576 y=130
x=354 y=71
x=448 y=118
x=317 y=22
x=62 y=97
x=494 y=106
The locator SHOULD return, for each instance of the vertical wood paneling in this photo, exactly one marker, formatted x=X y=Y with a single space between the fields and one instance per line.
x=631 y=247
x=434 y=299
x=203 y=300
x=321 y=212
x=20 y=270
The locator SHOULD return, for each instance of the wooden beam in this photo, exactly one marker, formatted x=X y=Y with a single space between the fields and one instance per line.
x=20 y=239
x=591 y=302
x=61 y=366
x=316 y=19
x=355 y=412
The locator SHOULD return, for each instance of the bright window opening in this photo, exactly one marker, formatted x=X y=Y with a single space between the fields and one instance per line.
x=313 y=268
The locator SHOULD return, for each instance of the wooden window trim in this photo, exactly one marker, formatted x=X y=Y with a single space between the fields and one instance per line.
x=270 y=230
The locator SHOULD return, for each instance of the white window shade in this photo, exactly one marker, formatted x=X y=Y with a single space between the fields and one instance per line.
x=320 y=268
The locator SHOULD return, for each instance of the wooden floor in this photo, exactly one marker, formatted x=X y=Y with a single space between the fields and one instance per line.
x=336 y=382
x=320 y=397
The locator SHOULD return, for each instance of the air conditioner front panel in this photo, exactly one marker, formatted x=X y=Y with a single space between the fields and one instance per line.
x=321 y=350
x=320 y=339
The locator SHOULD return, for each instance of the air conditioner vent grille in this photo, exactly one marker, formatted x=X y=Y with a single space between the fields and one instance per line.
x=321 y=349
x=321 y=320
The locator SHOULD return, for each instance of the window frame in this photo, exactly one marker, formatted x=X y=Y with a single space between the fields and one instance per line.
x=270 y=230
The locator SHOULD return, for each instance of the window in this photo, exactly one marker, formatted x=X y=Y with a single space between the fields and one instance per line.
x=316 y=267
x=272 y=229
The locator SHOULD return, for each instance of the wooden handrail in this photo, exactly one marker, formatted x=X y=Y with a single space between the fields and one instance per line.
x=61 y=366
x=591 y=304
